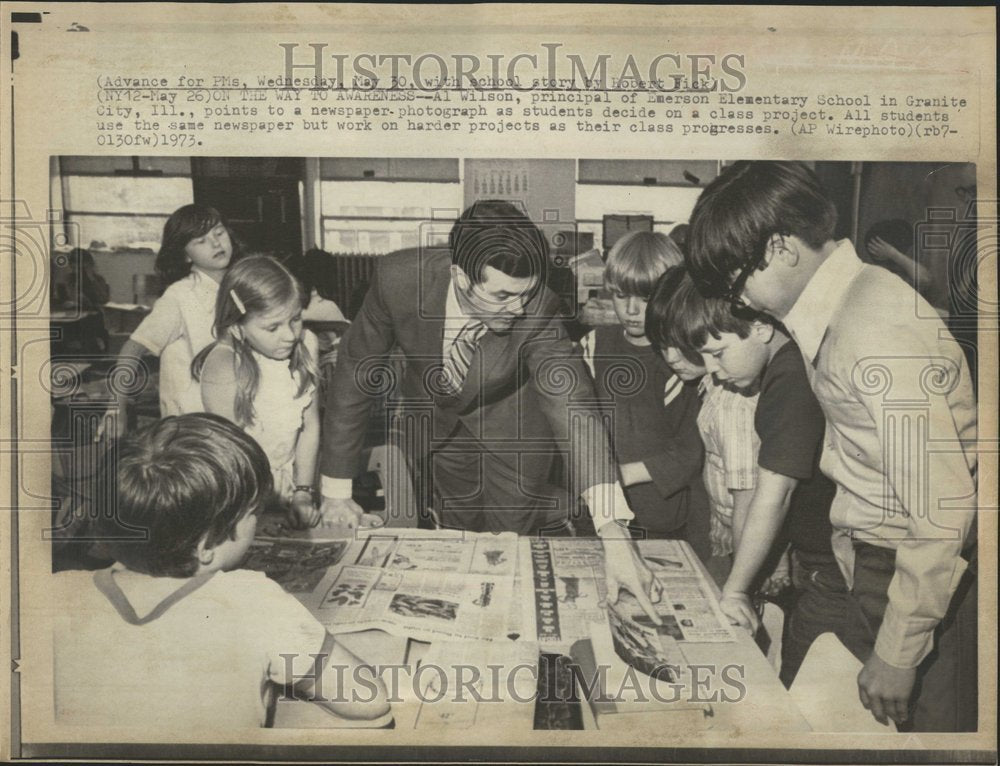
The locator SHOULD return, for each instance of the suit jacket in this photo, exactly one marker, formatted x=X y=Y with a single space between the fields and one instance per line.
x=524 y=391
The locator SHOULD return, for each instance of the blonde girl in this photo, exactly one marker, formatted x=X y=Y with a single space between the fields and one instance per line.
x=261 y=374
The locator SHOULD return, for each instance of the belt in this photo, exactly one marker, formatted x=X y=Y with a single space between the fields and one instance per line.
x=970 y=552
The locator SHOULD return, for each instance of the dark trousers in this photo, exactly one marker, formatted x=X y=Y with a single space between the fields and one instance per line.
x=477 y=490
x=945 y=697
x=821 y=604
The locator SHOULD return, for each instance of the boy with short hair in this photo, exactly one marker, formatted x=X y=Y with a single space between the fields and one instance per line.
x=655 y=428
x=791 y=499
x=175 y=635
x=900 y=437
x=725 y=422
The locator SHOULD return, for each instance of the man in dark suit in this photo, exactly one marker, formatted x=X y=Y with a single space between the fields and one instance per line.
x=493 y=391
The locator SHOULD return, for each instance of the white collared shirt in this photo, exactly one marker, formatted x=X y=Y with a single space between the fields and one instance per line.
x=900 y=437
x=455 y=320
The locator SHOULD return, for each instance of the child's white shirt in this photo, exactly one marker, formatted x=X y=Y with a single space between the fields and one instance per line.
x=178 y=327
x=279 y=410
x=200 y=664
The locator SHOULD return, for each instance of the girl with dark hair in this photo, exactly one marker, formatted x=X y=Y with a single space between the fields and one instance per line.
x=192 y=241
x=196 y=249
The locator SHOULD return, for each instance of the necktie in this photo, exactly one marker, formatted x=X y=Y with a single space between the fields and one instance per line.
x=456 y=365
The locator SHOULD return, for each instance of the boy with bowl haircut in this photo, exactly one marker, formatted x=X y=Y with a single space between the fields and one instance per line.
x=895 y=388
x=725 y=422
x=655 y=430
x=791 y=499
x=174 y=635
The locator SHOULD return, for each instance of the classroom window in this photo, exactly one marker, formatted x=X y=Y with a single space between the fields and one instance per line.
x=121 y=203
x=376 y=206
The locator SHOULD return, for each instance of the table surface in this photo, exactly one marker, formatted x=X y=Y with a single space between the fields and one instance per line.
x=765 y=701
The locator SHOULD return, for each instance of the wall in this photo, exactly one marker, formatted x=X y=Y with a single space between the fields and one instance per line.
x=118 y=268
x=907 y=190
x=550 y=196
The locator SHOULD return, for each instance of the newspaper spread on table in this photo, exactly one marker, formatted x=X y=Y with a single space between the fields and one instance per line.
x=563 y=595
x=427 y=585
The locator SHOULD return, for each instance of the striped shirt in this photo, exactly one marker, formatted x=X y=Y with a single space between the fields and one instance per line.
x=731 y=446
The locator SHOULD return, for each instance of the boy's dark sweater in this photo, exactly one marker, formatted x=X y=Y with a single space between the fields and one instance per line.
x=664 y=438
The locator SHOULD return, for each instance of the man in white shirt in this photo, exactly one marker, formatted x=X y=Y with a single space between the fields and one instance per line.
x=493 y=391
x=900 y=437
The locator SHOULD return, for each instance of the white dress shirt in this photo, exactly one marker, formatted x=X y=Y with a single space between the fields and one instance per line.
x=900 y=437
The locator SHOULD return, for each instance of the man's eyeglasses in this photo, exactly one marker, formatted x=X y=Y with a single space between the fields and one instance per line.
x=734 y=292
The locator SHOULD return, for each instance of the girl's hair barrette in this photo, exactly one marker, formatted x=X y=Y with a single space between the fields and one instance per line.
x=237 y=301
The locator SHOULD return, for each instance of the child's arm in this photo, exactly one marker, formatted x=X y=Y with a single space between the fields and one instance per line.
x=741 y=509
x=680 y=454
x=304 y=658
x=126 y=367
x=755 y=527
x=304 y=512
x=218 y=382
x=161 y=327
x=347 y=687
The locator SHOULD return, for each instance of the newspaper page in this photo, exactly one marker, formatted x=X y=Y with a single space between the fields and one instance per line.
x=296 y=565
x=564 y=592
x=422 y=584
x=361 y=130
x=688 y=608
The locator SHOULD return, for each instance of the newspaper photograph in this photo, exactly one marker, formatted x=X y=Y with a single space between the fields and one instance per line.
x=295 y=565
x=688 y=609
x=563 y=592
x=567 y=593
x=530 y=343
x=424 y=586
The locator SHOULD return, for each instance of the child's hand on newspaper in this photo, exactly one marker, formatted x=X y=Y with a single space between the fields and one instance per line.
x=302 y=513
x=738 y=608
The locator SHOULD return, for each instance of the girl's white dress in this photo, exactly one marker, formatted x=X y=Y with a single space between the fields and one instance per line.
x=278 y=416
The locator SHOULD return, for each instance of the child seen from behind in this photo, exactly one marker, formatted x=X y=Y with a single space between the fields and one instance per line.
x=175 y=635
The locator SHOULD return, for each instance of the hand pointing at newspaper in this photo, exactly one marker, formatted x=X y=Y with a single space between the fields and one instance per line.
x=625 y=568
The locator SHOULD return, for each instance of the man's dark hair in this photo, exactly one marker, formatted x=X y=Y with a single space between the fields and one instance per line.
x=738 y=213
x=496 y=233
x=182 y=479
x=678 y=316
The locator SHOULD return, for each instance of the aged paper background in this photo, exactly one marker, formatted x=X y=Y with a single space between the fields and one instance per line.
x=53 y=89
